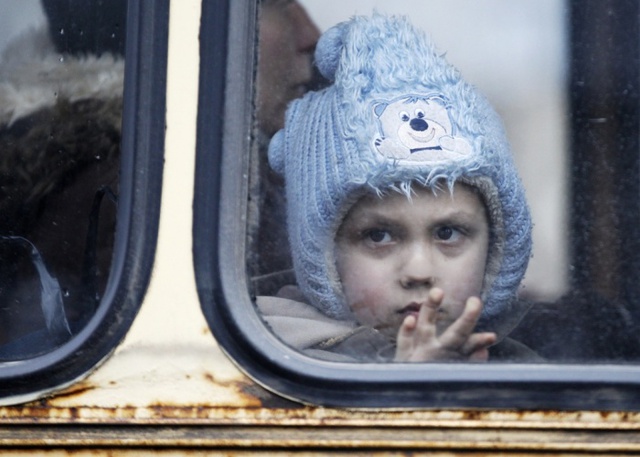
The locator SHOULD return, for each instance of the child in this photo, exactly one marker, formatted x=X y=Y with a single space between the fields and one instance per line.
x=407 y=220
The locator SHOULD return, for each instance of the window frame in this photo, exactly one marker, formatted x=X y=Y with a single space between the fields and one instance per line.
x=142 y=146
x=227 y=54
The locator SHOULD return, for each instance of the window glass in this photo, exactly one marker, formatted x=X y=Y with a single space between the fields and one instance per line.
x=527 y=59
x=61 y=85
x=81 y=141
x=562 y=90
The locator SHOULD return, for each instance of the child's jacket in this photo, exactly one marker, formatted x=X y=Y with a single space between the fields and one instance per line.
x=306 y=329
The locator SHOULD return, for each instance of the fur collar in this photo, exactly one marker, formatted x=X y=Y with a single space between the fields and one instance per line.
x=33 y=76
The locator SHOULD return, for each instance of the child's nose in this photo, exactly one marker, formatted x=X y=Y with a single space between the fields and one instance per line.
x=418 y=268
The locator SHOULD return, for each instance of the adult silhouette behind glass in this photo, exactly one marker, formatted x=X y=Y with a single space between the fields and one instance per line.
x=286 y=41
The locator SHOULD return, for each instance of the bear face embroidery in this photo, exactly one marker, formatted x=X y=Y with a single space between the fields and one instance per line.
x=417 y=128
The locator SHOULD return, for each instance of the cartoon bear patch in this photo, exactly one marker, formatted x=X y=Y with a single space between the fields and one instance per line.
x=417 y=128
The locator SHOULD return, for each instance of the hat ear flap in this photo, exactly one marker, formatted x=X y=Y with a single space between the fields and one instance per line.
x=329 y=50
x=276 y=152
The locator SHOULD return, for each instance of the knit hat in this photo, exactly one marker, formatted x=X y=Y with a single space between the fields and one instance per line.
x=396 y=114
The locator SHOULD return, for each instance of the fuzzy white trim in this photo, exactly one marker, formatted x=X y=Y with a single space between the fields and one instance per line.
x=34 y=76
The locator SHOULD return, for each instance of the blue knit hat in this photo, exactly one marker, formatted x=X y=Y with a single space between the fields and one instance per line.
x=397 y=113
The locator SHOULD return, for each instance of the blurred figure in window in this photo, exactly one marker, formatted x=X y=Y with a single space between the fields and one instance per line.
x=60 y=126
x=286 y=42
x=287 y=39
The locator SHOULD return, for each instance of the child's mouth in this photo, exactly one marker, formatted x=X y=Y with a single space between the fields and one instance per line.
x=412 y=308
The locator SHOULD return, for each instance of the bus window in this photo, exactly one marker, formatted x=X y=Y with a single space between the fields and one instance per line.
x=61 y=157
x=69 y=137
x=241 y=246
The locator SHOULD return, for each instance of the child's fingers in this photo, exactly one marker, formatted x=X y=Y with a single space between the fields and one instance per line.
x=421 y=328
x=417 y=331
x=418 y=338
x=404 y=341
x=478 y=341
x=428 y=313
x=408 y=325
x=480 y=355
x=436 y=295
x=459 y=331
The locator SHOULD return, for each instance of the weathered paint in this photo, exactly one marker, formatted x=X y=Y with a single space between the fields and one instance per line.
x=277 y=436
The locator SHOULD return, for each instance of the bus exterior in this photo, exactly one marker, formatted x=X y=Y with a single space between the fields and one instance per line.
x=172 y=361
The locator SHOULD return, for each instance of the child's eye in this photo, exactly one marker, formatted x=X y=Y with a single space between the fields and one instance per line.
x=448 y=233
x=378 y=236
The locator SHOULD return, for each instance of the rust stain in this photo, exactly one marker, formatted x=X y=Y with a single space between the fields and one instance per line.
x=75 y=390
x=472 y=415
x=254 y=405
x=267 y=409
x=253 y=395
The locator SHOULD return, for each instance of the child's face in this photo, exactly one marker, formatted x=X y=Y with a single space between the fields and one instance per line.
x=391 y=251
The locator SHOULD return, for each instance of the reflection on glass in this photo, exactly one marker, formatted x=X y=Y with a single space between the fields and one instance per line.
x=287 y=38
x=61 y=81
x=386 y=257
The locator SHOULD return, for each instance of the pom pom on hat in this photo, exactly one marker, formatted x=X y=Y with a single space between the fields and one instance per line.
x=328 y=51
x=276 y=152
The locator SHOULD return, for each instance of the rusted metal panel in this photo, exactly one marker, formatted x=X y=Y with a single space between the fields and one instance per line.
x=301 y=453
x=252 y=421
x=292 y=414
x=320 y=438
x=199 y=386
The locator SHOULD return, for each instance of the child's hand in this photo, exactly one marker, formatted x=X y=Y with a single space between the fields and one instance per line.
x=418 y=339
